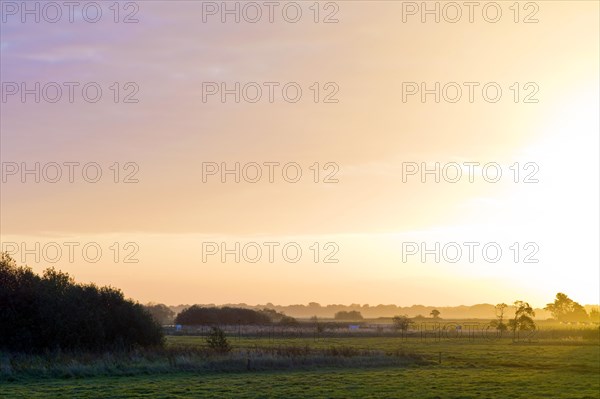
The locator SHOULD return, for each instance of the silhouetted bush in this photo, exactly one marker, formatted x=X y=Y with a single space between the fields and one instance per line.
x=196 y=315
x=52 y=312
x=217 y=341
x=351 y=315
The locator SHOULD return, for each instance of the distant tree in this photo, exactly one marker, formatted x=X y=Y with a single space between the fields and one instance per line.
x=435 y=313
x=565 y=309
x=348 y=315
x=217 y=341
x=577 y=313
x=161 y=313
x=595 y=315
x=523 y=320
x=499 y=322
x=401 y=323
x=559 y=307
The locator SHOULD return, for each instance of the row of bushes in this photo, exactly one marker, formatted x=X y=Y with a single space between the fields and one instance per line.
x=52 y=312
x=196 y=315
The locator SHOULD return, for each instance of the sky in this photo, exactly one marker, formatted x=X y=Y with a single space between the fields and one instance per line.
x=346 y=208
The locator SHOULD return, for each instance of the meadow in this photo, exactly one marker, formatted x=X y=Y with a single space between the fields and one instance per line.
x=321 y=367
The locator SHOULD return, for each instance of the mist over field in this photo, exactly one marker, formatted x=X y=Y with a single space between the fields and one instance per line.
x=481 y=311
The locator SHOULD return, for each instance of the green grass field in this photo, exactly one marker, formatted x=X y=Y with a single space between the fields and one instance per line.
x=477 y=369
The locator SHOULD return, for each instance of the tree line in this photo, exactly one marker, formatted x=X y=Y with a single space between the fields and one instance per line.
x=563 y=309
x=198 y=315
x=306 y=311
x=52 y=312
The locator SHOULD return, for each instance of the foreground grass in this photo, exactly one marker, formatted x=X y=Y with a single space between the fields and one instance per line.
x=480 y=369
x=423 y=382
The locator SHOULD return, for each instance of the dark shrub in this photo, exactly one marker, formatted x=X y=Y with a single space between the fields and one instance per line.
x=196 y=316
x=350 y=315
x=217 y=341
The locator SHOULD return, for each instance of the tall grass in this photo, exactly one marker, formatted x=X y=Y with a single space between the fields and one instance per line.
x=14 y=366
